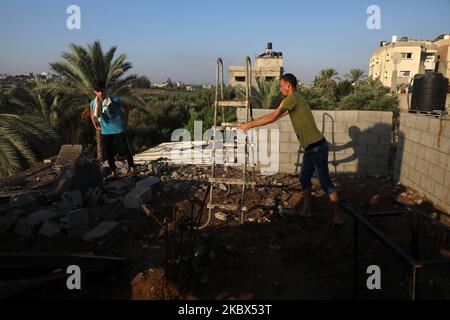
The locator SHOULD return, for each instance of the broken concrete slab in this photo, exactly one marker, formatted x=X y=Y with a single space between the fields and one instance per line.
x=108 y=199
x=101 y=231
x=26 y=202
x=118 y=188
x=81 y=175
x=137 y=197
x=94 y=197
x=72 y=199
x=27 y=226
x=50 y=229
x=76 y=223
x=152 y=182
x=75 y=218
x=67 y=154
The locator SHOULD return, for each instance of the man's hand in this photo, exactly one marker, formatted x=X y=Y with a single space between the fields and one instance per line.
x=244 y=127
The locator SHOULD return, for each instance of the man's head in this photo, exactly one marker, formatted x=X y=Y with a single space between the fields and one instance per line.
x=99 y=89
x=288 y=84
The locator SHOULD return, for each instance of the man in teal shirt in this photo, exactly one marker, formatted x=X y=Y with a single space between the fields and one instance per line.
x=110 y=116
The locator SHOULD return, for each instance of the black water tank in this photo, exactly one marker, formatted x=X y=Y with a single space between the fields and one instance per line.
x=429 y=92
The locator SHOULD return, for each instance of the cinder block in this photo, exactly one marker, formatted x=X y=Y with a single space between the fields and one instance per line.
x=418 y=150
x=422 y=166
x=438 y=174
x=427 y=183
x=367 y=138
x=387 y=117
x=414 y=135
x=415 y=177
x=410 y=120
x=427 y=139
x=370 y=116
x=137 y=197
x=443 y=145
x=72 y=199
x=341 y=127
x=444 y=161
x=30 y=224
x=440 y=191
x=422 y=123
x=432 y=156
x=435 y=126
x=349 y=116
x=342 y=138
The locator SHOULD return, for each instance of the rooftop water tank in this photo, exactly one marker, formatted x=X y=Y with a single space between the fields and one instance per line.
x=429 y=92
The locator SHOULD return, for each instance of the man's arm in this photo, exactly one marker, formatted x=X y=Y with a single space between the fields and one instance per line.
x=267 y=119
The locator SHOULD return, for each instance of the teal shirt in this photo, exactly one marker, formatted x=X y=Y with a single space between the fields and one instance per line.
x=111 y=121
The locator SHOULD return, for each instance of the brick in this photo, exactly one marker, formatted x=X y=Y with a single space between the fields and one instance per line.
x=438 y=174
x=427 y=139
x=386 y=117
x=427 y=183
x=347 y=116
x=423 y=123
x=369 y=116
x=422 y=166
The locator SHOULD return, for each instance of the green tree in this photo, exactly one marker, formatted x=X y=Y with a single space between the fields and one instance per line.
x=326 y=78
x=23 y=139
x=356 y=75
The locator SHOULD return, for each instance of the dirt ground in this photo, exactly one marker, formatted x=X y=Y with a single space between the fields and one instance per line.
x=269 y=257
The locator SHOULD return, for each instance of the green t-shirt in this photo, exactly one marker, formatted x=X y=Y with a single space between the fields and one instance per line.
x=302 y=119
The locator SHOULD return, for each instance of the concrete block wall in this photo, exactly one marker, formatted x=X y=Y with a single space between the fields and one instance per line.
x=423 y=156
x=359 y=140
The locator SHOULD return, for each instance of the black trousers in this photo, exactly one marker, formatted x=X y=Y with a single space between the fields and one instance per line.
x=109 y=144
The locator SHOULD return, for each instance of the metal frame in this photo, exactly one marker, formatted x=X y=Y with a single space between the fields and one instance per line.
x=410 y=258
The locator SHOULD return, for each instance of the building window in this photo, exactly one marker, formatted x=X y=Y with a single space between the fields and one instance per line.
x=388 y=57
x=270 y=78
x=407 y=55
x=404 y=74
x=386 y=74
x=239 y=79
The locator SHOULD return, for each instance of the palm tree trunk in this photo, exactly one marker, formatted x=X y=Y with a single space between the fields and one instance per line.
x=98 y=137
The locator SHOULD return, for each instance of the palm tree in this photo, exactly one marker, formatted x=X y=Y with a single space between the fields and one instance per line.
x=22 y=139
x=356 y=75
x=326 y=78
x=84 y=66
x=38 y=98
x=266 y=95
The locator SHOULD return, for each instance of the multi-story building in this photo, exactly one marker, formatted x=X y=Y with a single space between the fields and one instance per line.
x=397 y=62
x=267 y=66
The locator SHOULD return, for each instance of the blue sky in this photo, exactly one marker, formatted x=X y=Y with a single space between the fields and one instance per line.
x=181 y=39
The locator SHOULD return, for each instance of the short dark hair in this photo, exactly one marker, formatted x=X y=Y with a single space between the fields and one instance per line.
x=291 y=79
x=99 y=85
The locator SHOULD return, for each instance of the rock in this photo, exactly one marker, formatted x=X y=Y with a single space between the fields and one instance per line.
x=221 y=216
x=76 y=223
x=118 y=188
x=270 y=202
x=72 y=199
x=29 y=225
x=94 y=197
x=223 y=187
x=101 y=231
x=137 y=197
x=50 y=229
x=109 y=199
x=67 y=154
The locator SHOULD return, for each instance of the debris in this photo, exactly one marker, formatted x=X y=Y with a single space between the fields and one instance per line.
x=223 y=187
x=76 y=223
x=275 y=247
x=151 y=182
x=137 y=197
x=27 y=226
x=50 y=229
x=25 y=202
x=270 y=202
x=94 y=197
x=68 y=153
x=47 y=161
x=419 y=201
x=109 y=199
x=72 y=199
x=221 y=216
x=102 y=231
x=228 y=247
x=118 y=188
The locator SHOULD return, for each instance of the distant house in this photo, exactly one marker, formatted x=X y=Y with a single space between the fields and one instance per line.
x=268 y=66
x=397 y=62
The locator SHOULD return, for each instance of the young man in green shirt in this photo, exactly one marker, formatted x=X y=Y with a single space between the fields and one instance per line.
x=311 y=140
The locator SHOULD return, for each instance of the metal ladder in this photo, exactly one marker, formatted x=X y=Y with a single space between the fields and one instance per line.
x=223 y=127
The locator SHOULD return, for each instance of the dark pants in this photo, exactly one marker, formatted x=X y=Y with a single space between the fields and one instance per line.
x=109 y=142
x=316 y=159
